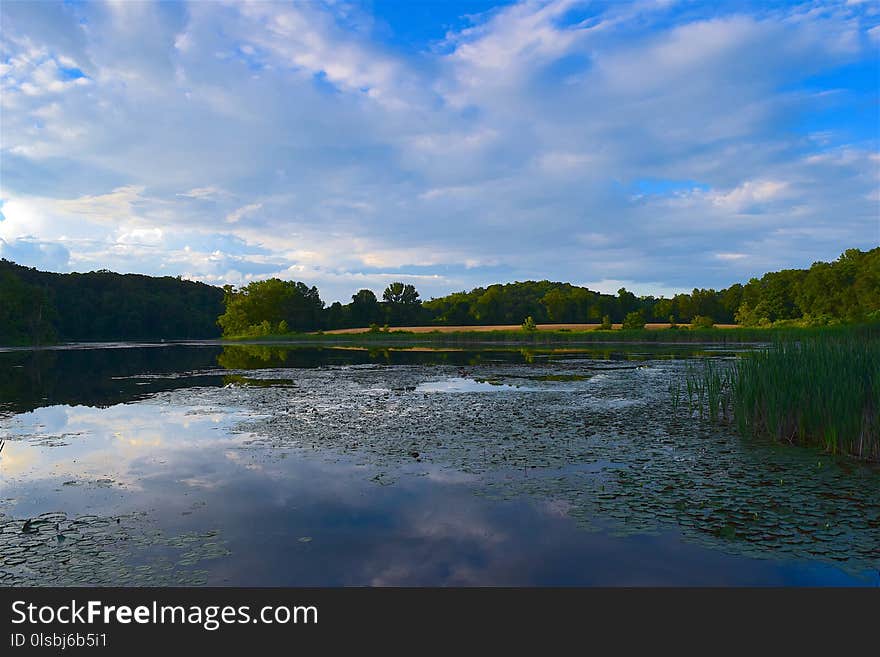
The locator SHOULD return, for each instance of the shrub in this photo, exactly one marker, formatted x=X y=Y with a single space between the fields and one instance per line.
x=606 y=324
x=634 y=320
x=702 y=322
x=529 y=324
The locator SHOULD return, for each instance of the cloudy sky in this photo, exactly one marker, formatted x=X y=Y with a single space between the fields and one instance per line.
x=657 y=145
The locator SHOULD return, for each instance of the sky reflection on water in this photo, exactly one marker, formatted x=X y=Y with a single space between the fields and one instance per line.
x=288 y=516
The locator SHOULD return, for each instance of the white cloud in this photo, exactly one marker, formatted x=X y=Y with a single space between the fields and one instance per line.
x=296 y=140
x=203 y=193
x=749 y=194
x=141 y=236
x=297 y=36
x=111 y=207
x=237 y=214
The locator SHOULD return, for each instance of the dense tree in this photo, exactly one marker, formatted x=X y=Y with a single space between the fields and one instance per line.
x=663 y=310
x=848 y=289
x=627 y=302
x=452 y=310
x=336 y=316
x=36 y=306
x=402 y=304
x=559 y=305
x=271 y=306
x=365 y=309
x=26 y=313
x=845 y=290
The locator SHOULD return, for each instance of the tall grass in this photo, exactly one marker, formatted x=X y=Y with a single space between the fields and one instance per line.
x=709 y=391
x=820 y=391
x=823 y=392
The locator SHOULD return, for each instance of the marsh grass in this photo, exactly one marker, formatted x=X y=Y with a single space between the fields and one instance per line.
x=709 y=390
x=819 y=391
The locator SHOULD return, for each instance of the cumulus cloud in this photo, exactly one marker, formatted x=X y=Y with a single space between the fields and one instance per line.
x=231 y=142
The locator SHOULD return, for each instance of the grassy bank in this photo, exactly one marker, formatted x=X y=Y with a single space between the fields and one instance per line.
x=561 y=336
x=820 y=391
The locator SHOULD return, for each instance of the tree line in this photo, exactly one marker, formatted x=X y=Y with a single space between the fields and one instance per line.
x=40 y=307
x=846 y=290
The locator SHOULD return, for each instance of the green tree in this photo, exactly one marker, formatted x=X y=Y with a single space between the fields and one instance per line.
x=262 y=306
x=399 y=293
x=559 y=304
x=627 y=302
x=402 y=304
x=730 y=301
x=454 y=309
x=336 y=316
x=663 y=309
x=26 y=312
x=365 y=308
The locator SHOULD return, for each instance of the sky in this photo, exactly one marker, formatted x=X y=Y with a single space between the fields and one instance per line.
x=658 y=146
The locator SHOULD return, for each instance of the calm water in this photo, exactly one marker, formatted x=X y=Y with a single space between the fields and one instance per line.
x=257 y=465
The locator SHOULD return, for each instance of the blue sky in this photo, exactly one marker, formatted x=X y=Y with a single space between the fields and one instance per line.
x=656 y=145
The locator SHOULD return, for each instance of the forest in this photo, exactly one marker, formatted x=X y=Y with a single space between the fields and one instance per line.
x=41 y=307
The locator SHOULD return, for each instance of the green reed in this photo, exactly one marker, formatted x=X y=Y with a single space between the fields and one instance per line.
x=819 y=391
x=823 y=392
x=709 y=390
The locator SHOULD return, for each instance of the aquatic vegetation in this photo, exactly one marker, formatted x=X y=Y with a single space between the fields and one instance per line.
x=708 y=390
x=560 y=377
x=55 y=549
x=675 y=395
x=822 y=392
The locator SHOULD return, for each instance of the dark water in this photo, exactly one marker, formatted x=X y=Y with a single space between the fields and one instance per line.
x=257 y=465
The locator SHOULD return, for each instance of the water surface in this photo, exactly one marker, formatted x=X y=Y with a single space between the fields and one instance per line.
x=273 y=465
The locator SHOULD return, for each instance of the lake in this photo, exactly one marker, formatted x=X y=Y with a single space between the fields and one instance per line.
x=258 y=465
